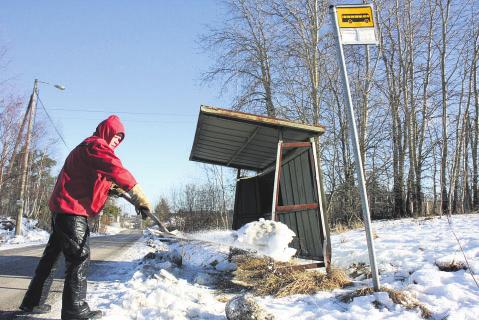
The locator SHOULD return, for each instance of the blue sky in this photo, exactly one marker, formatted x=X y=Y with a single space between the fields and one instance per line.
x=117 y=56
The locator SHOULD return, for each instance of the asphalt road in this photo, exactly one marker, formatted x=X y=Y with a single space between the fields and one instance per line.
x=18 y=265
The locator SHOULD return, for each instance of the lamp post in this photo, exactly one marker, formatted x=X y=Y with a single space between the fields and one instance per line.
x=32 y=104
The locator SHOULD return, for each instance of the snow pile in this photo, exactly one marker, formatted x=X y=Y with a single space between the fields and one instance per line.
x=266 y=237
x=152 y=288
x=163 y=296
x=194 y=254
x=202 y=255
x=31 y=234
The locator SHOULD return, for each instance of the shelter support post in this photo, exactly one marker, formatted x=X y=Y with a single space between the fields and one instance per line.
x=322 y=213
x=276 y=180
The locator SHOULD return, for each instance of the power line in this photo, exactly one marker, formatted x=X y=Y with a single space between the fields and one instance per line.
x=76 y=109
x=53 y=124
x=186 y=121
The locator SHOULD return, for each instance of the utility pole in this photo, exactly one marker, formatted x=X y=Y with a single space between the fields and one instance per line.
x=30 y=114
x=31 y=117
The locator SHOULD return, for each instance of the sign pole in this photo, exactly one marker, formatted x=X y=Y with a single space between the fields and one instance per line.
x=357 y=155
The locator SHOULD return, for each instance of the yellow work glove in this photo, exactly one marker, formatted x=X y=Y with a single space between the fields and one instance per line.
x=140 y=200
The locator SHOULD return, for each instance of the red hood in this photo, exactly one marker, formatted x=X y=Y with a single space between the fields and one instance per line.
x=109 y=127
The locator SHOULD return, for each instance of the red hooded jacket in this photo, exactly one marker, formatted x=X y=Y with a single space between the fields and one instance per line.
x=89 y=170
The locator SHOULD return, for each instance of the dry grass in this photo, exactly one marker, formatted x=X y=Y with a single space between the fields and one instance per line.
x=398 y=297
x=267 y=277
x=452 y=266
x=340 y=227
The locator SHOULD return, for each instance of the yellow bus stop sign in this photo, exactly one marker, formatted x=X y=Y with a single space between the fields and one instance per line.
x=356 y=24
x=355 y=17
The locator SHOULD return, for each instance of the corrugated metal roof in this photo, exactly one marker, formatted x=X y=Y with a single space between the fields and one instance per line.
x=243 y=140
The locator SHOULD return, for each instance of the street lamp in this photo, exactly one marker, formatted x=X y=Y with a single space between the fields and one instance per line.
x=58 y=86
x=31 y=117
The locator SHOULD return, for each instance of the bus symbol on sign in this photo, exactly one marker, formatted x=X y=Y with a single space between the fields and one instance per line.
x=350 y=18
x=355 y=17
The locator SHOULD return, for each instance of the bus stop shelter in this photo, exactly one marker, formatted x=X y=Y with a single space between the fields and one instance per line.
x=286 y=186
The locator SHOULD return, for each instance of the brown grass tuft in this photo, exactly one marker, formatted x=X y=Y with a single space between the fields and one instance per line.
x=351 y=225
x=267 y=277
x=398 y=297
x=452 y=266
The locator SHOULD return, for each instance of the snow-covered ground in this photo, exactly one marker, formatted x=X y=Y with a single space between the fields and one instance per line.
x=31 y=235
x=407 y=250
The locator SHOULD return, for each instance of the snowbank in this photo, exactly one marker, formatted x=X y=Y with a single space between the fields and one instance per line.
x=31 y=235
x=153 y=288
x=269 y=238
x=266 y=237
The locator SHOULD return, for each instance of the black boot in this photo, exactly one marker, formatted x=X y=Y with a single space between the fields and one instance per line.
x=42 y=308
x=90 y=315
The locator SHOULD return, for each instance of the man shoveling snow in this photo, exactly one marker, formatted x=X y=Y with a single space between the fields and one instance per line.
x=80 y=193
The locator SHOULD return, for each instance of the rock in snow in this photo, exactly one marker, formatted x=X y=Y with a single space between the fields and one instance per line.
x=244 y=307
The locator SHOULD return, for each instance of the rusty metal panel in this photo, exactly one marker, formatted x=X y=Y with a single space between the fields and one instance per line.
x=248 y=117
x=297 y=207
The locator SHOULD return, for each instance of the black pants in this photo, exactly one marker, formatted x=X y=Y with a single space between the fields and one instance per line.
x=70 y=236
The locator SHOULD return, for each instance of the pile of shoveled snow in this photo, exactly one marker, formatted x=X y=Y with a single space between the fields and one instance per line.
x=31 y=234
x=266 y=237
x=153 y=288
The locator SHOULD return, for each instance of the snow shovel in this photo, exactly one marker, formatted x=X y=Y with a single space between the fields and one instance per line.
x=151 y=215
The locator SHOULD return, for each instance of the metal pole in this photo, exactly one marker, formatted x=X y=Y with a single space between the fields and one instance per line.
x=23 y=180
x=357 y=156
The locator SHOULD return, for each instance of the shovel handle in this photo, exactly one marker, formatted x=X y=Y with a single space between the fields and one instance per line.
x=127 y=197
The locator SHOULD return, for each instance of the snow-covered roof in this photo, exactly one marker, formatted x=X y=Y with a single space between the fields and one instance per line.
x=244 y=140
